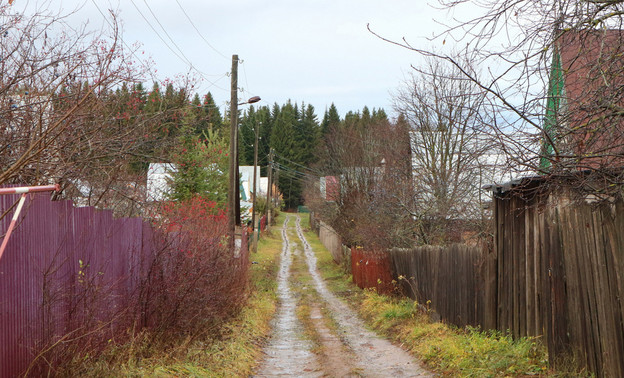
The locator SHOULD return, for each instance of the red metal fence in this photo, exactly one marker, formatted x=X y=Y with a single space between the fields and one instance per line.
x=371 y=269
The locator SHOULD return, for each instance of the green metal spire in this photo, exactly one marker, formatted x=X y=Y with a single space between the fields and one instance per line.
x=553 y=103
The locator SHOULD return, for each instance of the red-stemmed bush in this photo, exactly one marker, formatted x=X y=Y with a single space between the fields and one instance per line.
x=195 y=279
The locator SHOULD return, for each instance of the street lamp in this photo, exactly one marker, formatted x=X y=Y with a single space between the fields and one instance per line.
x=251 y=100
x=233 y=189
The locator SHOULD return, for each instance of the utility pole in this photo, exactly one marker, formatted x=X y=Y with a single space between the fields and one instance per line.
x=275 y=195
x=255 y=184
x=269 y=201
x=233 y=200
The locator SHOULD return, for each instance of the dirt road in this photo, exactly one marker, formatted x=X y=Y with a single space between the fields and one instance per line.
x=315 y=333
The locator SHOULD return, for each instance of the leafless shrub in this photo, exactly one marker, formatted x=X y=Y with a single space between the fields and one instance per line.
x=183 y=285
x=197 y=280
x=370 y=161
x=62 y=116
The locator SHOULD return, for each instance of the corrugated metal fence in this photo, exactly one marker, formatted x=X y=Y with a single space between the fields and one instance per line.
x=68 y=271
x=59 y=262
x=371 y=269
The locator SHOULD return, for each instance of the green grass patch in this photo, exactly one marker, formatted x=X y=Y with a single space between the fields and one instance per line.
x=451 y=351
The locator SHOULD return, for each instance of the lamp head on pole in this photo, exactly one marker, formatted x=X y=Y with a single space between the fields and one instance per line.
x=251 y=100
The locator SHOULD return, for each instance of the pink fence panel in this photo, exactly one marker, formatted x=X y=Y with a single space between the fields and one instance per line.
x=59 y=262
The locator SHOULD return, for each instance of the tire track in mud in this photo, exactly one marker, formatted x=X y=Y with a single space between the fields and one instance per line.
x=374 y=356
x=288 y=353
x=347 y=350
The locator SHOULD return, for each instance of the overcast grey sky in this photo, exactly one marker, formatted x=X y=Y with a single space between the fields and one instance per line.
x=316 y=52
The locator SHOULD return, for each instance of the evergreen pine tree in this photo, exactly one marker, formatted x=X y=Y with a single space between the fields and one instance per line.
x=380 y=115
x=309 y=133
x=288 y=151
x=265 y=122
x=330 y=120
x=247 y=136
x=201 y=164
x=212 y=115
x=352 y=119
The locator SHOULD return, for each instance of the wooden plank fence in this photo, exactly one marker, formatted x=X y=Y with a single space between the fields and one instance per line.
x=559 y=274
x=556 y=270
x=450 y=277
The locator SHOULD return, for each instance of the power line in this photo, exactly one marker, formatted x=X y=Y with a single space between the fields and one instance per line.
x=156 y=32
x=183 y=58
x=245 y=75
x=300 y=165
x=292 y=175
x=166 y=33
x=190 y=63
x=198 y=32
x=294 y=171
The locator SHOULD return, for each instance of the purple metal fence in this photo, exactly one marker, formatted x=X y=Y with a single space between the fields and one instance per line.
x=58 y=261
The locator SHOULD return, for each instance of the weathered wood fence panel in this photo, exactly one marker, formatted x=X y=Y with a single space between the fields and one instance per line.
x=522 y=277
x=560 y=265
x=450 y=277
x=593 y=257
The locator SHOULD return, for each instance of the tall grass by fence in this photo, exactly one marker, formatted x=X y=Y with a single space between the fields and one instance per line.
x=79 y=277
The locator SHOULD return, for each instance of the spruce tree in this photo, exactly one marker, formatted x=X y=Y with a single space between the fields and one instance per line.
x=289 y=154
x=331 y=119
x=212 y=116
x=265 y=122
x=247 y=136
x=309 y=133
